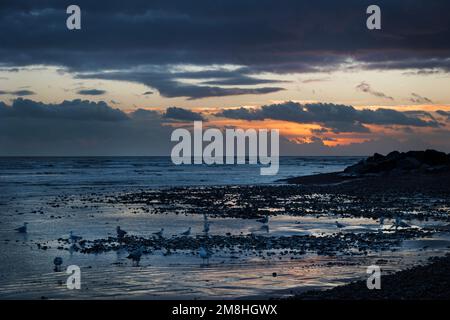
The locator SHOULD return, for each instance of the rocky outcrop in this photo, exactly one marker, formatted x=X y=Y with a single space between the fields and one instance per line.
x=397 y=163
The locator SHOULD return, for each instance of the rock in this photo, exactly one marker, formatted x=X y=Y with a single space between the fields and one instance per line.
x=408 y=164
x=397 y=163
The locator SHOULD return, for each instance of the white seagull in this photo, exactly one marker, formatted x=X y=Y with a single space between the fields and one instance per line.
x=339 y=225
x=135 y=256
x=206 y=227
x=380 y=228
x=120 y=233
x=400 y=223
x=263 y=220
x=204 y=254
x=57 y=262
x=22 y=229
x=187 y=232
x=74 y=238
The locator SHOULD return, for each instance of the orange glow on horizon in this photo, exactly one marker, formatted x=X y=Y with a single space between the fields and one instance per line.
x=311 y=132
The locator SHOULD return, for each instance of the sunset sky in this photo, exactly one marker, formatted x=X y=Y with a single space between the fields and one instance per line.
x=136 y=69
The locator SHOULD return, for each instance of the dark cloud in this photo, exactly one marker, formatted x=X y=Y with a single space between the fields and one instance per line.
x=172 y=89
x=415 y=98
x=145 y=114
x=420 y=114
x=423 y=72
x=313 y=80
x=170 y=85
x=320 y=131
x=365 y=87
x=240 y=80
x=18 y=93
x=423 y=65
x=182 y=114
x=91 y=92
x=262 y=35
x=338 y=118
x=343 y=126
x=80 y=128
x=74 y=110
x=444 y=113
x=382 y=144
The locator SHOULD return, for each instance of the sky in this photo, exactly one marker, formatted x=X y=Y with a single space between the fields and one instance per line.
x=138 y=69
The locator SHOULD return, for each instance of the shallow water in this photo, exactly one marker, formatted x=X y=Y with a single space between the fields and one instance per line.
x=29 y=186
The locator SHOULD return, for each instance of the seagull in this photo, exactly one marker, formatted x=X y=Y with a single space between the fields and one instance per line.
x=206 y=227
x=159 y=233
x=204 y=254
x=74 y=238
x=73 y=248
x=400 y=223
x=263 y=220
x=135 y=256
x=22 y=229
x=339 y=225
x=120 y=233
x=168 y=252
x=57 y=262
x=187 y=232
x=380 y=228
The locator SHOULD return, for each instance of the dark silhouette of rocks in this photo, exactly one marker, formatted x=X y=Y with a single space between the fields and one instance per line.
x=399 y=173
x=397 y=163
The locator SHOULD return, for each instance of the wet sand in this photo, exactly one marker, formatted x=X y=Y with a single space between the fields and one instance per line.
x=428 y=282
x=437 y=184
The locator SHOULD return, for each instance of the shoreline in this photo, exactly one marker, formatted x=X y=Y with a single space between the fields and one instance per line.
x=336 y=216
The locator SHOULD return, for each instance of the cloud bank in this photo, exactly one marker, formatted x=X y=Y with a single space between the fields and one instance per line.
x=338 y=118
x=255 y=36
x=81 y=127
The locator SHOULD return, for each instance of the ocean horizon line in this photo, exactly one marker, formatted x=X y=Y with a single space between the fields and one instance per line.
x=165 y=156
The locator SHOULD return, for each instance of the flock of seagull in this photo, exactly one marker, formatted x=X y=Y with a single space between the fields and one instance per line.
x=135 y=255
x=398 y=223
x=203 y=252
